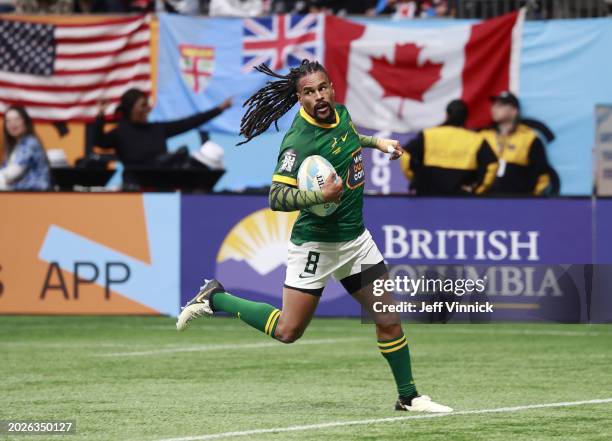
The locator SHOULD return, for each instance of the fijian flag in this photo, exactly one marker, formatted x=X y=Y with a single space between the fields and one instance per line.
x=61 y=72
x=281 y=41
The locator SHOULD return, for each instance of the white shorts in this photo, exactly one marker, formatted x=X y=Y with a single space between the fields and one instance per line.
x=310 y=265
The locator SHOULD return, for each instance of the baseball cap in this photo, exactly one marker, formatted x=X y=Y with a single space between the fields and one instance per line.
x=507 y=97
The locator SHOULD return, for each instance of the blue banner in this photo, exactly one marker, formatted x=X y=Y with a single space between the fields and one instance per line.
x=526 y=245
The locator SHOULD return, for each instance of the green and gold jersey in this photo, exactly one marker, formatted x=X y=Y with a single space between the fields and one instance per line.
x=339 y=144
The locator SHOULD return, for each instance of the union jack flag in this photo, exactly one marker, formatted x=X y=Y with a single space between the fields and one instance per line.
x=280 y=41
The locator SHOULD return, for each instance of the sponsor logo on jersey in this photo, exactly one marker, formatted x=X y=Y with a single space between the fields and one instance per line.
x=335 y=143
x=356 y=172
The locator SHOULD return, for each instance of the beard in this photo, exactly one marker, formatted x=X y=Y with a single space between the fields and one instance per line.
x=324 y=113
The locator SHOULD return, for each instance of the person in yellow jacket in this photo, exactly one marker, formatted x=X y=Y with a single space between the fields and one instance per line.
x=449 y=159
x=523 y=165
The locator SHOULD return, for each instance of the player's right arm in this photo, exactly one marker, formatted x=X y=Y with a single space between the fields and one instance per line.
x=285 y=197
x=284 y=192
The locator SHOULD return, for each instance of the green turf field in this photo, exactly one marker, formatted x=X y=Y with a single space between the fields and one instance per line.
x=138 y=379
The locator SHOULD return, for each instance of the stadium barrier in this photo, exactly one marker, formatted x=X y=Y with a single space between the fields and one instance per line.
x=537 y=9
x=603 y=151
x=148 y=253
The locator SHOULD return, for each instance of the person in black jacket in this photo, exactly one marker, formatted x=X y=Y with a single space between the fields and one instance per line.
x=449 y=159
x=138 y=142
x=523 y=165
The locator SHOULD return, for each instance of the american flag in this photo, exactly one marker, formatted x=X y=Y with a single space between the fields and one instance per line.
x=280 y=41
x=62 y=72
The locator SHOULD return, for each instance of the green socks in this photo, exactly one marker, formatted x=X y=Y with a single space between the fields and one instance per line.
x=264 y=318
x=261 y=316
x=397 y=355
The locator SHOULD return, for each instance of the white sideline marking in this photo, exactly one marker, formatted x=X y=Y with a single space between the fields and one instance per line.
x=82 y=345
x=222 y=347
x=382 y=420
x=512 y=332
x=474 y=329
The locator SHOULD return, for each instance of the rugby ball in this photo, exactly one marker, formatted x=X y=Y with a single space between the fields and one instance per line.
x=313 y=172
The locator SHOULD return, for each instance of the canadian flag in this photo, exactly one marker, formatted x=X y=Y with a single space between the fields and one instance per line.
x=401 y=79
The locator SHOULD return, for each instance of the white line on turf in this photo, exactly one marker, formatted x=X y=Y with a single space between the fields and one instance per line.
x=37 y=345
x=474 y=329
x=383 y=420
x=222 y=347
x=484 y=330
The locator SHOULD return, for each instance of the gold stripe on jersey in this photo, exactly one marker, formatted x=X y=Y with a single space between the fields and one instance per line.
x=285 y=180
x=314 y=122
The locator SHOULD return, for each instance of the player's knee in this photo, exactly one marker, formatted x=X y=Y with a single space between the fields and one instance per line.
x=288 y=335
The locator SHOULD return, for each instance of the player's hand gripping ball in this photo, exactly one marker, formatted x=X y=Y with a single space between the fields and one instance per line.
x=312 y=174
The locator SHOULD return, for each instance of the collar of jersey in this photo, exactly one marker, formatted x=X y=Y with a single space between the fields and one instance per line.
x=314 y=122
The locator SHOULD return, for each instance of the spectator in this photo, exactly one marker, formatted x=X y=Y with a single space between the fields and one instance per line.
x=449 y=159
x=140 y=6
x=433 y=8
x=185 y=7
x=25 y=165
x=401 y=9
x=523 y=166
x=99 y=6
x=406 y=9
x=43 y=6
x=138 y=142
x=303 y=7
x=386 y=7
x=354 y=7
x=236 y=8
x=7 y=6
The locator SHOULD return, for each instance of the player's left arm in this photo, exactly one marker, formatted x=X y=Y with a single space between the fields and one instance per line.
x=391 y=146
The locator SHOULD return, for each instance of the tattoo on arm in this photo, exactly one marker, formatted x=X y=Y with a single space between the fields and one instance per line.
x=286 y=198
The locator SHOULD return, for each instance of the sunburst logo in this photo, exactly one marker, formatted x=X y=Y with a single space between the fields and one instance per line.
x=259 y=240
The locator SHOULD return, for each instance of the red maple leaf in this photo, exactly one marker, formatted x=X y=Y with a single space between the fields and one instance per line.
x=405 y=77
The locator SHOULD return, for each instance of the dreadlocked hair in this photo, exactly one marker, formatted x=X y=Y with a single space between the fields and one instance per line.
x=272 y=101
